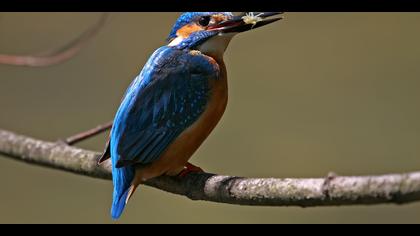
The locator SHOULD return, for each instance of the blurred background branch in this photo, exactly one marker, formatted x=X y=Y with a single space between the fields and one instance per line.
x=56 y=56
x=330 y=191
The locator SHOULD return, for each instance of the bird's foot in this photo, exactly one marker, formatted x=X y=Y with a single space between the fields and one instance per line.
x=189 y=168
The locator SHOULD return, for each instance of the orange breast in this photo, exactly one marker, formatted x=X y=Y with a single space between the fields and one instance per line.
x=179 y=152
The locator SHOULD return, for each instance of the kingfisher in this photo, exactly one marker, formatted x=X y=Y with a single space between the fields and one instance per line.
x=175 y=102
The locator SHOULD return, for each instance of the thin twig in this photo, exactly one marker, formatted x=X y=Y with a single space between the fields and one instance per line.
x=88 y=133
x=332 y=190
x=56 y=56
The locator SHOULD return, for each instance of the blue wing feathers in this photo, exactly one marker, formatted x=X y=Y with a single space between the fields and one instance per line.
x=168 y=96
x=118 y=204
x=122 y=178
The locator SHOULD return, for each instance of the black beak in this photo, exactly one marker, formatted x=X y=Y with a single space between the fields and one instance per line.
x=245 y=22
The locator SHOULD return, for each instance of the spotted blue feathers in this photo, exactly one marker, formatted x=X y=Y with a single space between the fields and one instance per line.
x=168 y=96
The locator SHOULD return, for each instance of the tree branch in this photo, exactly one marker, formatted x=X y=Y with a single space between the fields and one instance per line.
x=88 y=133
x=52 y=57
x=332 y=190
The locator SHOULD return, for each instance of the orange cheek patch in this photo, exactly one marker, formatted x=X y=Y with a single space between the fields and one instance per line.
x=186 y=30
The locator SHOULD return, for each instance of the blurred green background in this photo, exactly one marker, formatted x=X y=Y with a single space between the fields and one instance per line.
x=314 y=93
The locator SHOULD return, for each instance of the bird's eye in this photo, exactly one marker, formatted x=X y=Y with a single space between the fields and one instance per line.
x=204 y=20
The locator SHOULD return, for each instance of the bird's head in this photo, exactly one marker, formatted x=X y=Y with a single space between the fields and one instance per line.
x=211 y=32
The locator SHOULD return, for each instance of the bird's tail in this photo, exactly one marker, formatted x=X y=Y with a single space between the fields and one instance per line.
x=122 y=178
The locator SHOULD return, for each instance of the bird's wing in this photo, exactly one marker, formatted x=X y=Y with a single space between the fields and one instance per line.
x=168 y=96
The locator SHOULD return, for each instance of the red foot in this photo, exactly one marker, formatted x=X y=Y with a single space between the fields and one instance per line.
x=189 y=168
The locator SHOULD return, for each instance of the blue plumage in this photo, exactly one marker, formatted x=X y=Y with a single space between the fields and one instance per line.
x=168 y=96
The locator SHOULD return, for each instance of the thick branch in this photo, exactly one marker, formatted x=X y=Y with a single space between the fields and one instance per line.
x=52 y=57
x=332 y=190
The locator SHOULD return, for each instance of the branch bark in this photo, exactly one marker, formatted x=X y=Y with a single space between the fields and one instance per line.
x=52 y=57
x=330 y=191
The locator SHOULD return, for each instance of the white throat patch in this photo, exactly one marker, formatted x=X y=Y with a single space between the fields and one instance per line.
x=217 y=45
x=176 y=41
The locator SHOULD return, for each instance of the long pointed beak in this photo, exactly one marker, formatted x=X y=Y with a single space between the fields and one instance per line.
x=245 y=22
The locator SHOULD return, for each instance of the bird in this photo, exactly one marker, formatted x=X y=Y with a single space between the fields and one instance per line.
x=175 y=102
